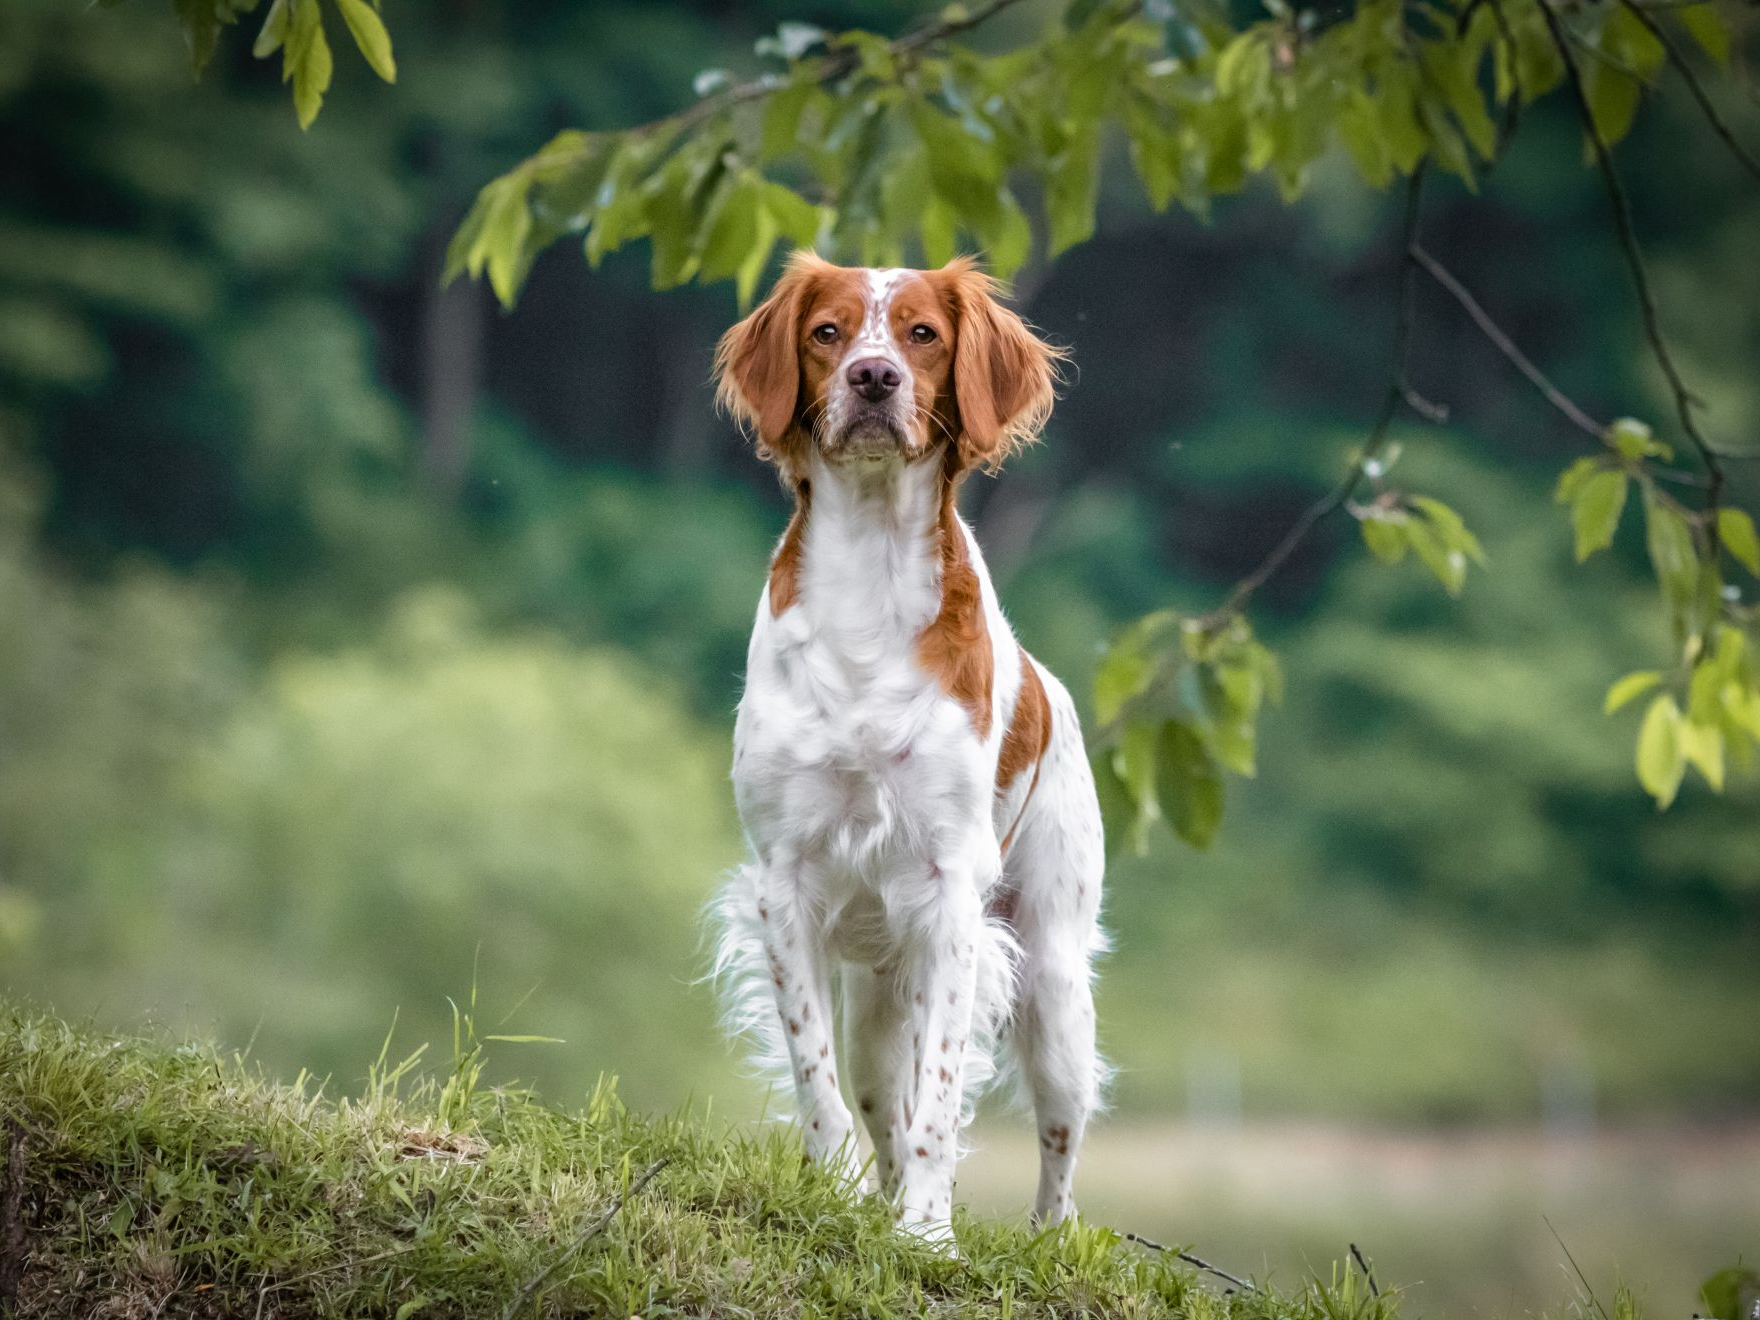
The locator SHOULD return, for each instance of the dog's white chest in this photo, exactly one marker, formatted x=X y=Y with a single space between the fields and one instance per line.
x=851 y=765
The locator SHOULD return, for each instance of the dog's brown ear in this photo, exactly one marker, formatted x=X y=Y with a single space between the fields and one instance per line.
x=758 y=367
x=1004 y=376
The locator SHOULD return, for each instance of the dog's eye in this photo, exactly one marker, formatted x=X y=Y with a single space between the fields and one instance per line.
x=922 y=334
x=825 y=334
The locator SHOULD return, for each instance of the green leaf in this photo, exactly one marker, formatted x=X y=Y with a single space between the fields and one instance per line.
x=782 y=118
x=1131 y=664
x=1072 y=190
x=1595 y=510
x=1231 y=733
x=751 y=270
x=1613 y=98
x=201 y=21
x=370 y=36
x=940 y=231
x=1448 y=564
x=797 y=219
x=1659 y=760
x=1188 y=784
x=1708 y=29
x=1672 y=554
x=1735 y=528
x=1702 y=747
x=1118 y=809
x=306 y=60
x=274 y=30
x=1571 y=480
x=500 y=245
x=730 y=227
x=1630 y=687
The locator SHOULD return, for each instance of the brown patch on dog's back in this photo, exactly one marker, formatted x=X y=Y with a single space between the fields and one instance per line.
x=1029 y=728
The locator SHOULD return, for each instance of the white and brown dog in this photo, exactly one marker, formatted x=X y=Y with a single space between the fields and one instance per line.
x=912 y=783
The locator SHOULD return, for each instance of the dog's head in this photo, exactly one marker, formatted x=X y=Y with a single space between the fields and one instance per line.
x=866 y=366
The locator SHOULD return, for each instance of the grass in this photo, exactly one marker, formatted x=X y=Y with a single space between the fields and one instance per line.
x=166 y=1179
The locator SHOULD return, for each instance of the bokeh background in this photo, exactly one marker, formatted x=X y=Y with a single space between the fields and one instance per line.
x=361 y=644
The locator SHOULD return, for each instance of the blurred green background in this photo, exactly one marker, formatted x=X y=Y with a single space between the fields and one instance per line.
x=361 y=643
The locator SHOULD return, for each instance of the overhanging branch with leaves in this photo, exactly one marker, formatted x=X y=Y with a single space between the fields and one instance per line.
x=905 y=150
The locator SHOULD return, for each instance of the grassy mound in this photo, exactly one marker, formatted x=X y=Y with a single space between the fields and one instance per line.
x=149 y=1179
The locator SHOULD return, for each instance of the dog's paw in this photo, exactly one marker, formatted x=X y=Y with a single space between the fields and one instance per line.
x=933 y=1231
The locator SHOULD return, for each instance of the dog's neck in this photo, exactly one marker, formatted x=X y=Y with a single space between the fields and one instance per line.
x=870 y=544
x=880 y=565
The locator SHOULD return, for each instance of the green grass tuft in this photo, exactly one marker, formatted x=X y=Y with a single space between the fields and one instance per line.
x=169 y=1180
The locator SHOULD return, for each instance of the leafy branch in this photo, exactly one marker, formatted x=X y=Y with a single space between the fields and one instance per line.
x=296 y=29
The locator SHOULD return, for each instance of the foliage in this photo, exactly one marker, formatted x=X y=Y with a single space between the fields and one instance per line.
x=296 y=29
x=917 y=145
x=175 y=1177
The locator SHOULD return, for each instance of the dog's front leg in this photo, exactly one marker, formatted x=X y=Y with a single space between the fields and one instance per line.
x=943 y=988
x=800 y=976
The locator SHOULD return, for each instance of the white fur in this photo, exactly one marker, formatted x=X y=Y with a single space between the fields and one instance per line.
x=869 y=802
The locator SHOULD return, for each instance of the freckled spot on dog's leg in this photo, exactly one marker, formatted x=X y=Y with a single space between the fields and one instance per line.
x=922 y=1152
x=794 y=1028
x=824 y=1050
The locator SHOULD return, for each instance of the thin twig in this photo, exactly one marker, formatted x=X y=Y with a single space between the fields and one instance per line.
x=1368 y=1273
x=1678 y=58
x=1628 y=238
x=1520 y=360
x=12 y=1219
x=1504 y=344
x=1398 y=391
x=1190 y=1259
x=592 y=1231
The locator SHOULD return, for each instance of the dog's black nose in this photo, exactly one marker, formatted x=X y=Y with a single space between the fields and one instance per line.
x=872 y=378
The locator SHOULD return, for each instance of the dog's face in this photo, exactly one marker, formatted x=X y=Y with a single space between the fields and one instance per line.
x=866 y=366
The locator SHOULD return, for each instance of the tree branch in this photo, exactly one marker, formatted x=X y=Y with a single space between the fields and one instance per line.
x=1398 y=391
x=1504 y=344
x=1628 y=238
x=1190 y=1259
x=1368 y=1273
x=1678 y=58
x=592 y=1231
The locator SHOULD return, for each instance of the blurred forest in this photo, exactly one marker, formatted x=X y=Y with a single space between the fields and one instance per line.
x=364 y=643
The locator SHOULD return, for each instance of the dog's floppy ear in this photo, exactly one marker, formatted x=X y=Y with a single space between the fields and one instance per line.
x=758 y=367
x=1004 y=376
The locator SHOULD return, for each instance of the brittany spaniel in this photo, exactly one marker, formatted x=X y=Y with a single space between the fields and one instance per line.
x=925 y=839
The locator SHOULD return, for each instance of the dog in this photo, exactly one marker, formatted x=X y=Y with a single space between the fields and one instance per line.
x=926 y=848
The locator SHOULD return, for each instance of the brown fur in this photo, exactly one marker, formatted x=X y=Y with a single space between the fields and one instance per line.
x=1005 y=376
x=955 y=648
x=1029 y=728
x=785 y=568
